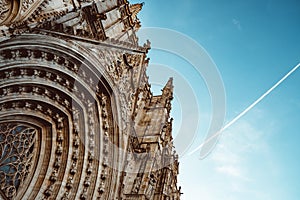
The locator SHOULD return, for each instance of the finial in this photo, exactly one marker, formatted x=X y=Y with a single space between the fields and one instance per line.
x=170 y=82
x=147 y=45
x=135 y=9
x=167 y=91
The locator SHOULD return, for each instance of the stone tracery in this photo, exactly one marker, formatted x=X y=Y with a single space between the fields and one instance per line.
x=86 y=97
x=17 y=143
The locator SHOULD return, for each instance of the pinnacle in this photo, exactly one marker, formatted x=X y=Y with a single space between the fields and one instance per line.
x=167 y=91
x=169 y=84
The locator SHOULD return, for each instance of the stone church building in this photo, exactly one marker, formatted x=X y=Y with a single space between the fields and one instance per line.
x=78 y=119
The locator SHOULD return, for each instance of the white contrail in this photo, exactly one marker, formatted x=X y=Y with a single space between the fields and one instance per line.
x=246 y=110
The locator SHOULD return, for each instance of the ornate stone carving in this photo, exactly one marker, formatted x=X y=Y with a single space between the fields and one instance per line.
x=135 y=9
x=26 y=4
x=65 y=85
x=5 y=8
x=17 y=143
x=151 y=187
x=84 y=23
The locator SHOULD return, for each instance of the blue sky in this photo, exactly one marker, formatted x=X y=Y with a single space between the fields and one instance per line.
x=253 y=44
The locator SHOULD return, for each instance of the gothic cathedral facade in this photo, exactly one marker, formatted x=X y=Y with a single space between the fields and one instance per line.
x=78 y=119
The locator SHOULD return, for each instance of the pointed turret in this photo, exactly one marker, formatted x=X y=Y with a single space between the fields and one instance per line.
x=135 y=9
x=167 y=91
x=167 y=96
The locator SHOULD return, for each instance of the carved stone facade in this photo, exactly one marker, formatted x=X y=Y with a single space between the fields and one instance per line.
x=77 y=117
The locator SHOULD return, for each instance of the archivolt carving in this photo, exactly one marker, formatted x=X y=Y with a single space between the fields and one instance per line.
x=5 y=7
x=49 y=83
x=10 y=10
x=26 y=4
x=124 y=70
x=64 y=86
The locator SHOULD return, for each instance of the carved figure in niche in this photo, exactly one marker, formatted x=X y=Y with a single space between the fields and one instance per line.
x=87 y=181
x=60 y=123
x=76 y=141
x=89 y=168
x=150 y=189
x=75 y=155
x=66 y=196
x=53 y=176
x=70 y=183
x=136 y=185
x=57 y=162
x=49 y=191
x=73 y=169
x=59 y=149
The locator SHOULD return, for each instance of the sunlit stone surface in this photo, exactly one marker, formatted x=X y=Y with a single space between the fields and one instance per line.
x=77 y=117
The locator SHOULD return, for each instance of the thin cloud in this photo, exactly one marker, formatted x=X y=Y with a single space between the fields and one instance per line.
x=236 y=143
x=237 y=24
x=230 y=170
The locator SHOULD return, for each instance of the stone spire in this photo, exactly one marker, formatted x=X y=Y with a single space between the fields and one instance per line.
x=167 y=91
x=82 y=69
x=167 y=95
x=135 y=9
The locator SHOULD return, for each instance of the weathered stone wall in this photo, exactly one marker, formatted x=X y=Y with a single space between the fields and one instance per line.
x=77 y=116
